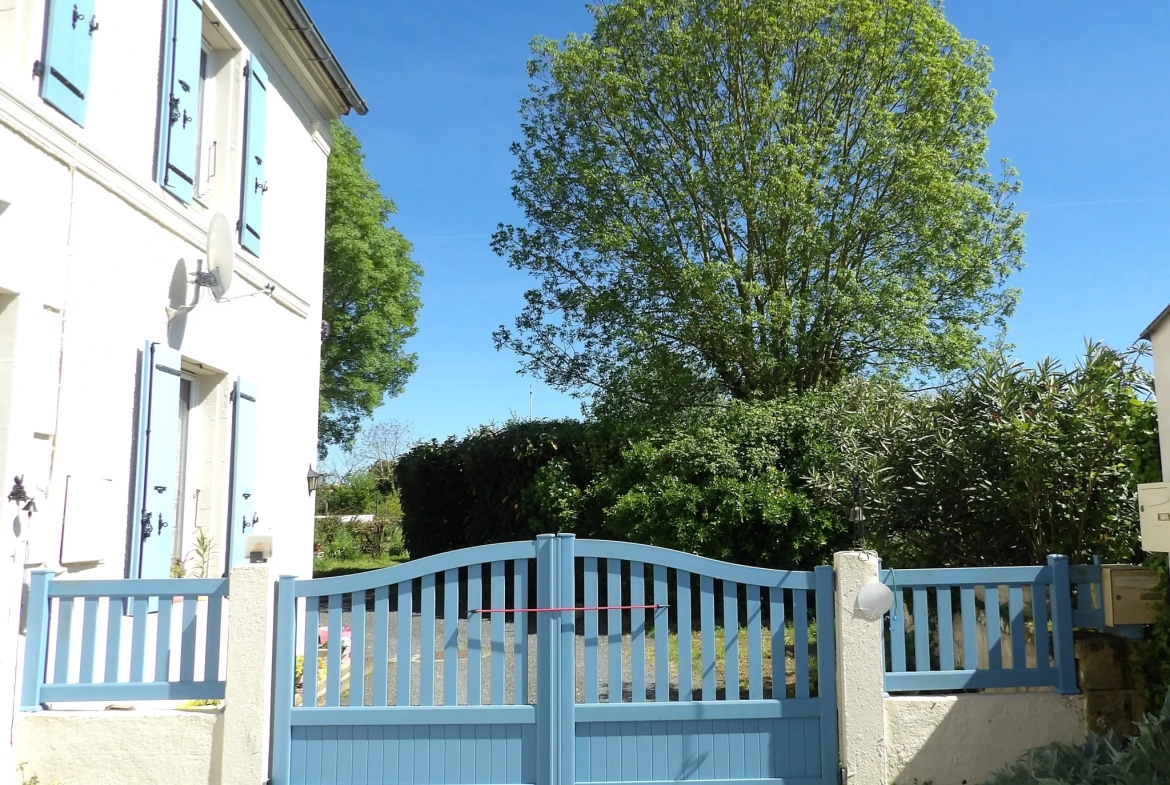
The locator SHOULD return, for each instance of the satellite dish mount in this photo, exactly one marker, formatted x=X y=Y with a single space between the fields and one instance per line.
x=221 y=259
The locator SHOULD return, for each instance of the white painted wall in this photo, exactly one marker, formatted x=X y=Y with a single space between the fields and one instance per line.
x=956 y=739
x=88 y=249
x=1160 y=340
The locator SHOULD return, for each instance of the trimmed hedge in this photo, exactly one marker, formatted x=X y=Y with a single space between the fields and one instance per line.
x=483 y=488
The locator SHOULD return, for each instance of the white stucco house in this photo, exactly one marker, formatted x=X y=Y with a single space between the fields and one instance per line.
x=124 y=127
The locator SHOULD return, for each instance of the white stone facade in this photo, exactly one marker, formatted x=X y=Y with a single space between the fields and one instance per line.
x=94 y=248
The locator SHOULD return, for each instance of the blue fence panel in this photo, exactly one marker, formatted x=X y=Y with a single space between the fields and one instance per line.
x=1014 y=628
x=61 y=662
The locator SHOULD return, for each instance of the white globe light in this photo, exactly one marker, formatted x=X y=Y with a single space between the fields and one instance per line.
x=875 y=600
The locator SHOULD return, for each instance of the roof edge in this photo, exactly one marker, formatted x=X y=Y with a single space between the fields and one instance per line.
x=304 y=24
x=1149 y=331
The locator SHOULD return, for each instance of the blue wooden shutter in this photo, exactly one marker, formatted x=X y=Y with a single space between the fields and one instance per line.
x=252 y=202
x=241 y=518
x=159 y=467
x=68 y=48
x=179 y=124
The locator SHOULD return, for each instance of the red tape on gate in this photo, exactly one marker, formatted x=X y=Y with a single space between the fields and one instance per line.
x=558 y=610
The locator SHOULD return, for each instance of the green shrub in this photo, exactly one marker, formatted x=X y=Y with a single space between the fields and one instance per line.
x=724 y=483
x=341 y=544
x=1142 y=759
x=1011 y=465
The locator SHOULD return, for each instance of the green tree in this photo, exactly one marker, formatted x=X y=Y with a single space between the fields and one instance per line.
x=746 y=198
x=371 y=297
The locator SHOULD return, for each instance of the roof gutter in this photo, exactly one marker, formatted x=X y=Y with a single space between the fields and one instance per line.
x=303 y=24
x=1148 y=333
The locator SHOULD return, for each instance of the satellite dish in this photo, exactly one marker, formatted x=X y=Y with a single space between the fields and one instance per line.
x=221 y=256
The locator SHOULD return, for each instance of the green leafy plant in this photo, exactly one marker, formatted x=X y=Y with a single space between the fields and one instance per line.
x=1010 y=465
x=204 y=552
x=1142 y=759
x=199 y=704
x=178 y=568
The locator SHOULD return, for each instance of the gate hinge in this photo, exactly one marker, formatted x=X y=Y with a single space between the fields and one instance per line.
x=39 y=69
x=844 y=776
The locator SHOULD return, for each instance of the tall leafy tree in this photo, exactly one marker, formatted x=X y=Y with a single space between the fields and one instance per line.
x=748 y=198
x=371 y=297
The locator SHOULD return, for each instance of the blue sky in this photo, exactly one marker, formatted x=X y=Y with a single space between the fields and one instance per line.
x=1083 y=107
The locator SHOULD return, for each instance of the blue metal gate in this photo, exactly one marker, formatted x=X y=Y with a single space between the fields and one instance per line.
x=557 y=662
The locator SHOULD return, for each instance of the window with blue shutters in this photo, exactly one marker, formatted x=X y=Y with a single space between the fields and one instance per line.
x=157 y=482
x=255 y=185
x=64 y=70
x=242 y=518
x=179 y=121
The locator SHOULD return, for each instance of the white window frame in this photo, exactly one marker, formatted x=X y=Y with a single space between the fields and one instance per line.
x=206 y=152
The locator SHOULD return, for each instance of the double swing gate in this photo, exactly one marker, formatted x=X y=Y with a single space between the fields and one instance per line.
x=557 y=662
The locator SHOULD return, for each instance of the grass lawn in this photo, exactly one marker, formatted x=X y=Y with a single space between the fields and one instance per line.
x=327 y=568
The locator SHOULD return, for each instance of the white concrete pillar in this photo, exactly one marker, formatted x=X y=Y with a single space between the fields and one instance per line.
x=860 y=674
x=247 y=699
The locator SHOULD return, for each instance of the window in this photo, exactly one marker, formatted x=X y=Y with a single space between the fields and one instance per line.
x=205 y=151
x=186 y=385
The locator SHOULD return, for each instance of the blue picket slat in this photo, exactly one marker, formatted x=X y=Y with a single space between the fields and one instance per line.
x=661 y=637
x=992 y=617
x=755 y=653
x=779 y=658
x=64 y=633
x=88 y=638
x=707 y=635
x=497 y=633
x=591 y=675
x=333 y=653
x=946 y=634
x=686 y=676
x=381 y=674
x=403 y=654
x=921 y=630
x=187 y=640
x=731 y=640
x=970 y=628
x=520 y=633
x=309 y=673
x=800 y=640
x=426 y=634
x=451 y=637
x=357 y=649
x=214 y=632
x=1016 y=625
x=613 y=628
x=138 y=639
x=898 y=631
x=474 y=635
x=1040 y=624
x=114 y=639
x=638 y=631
